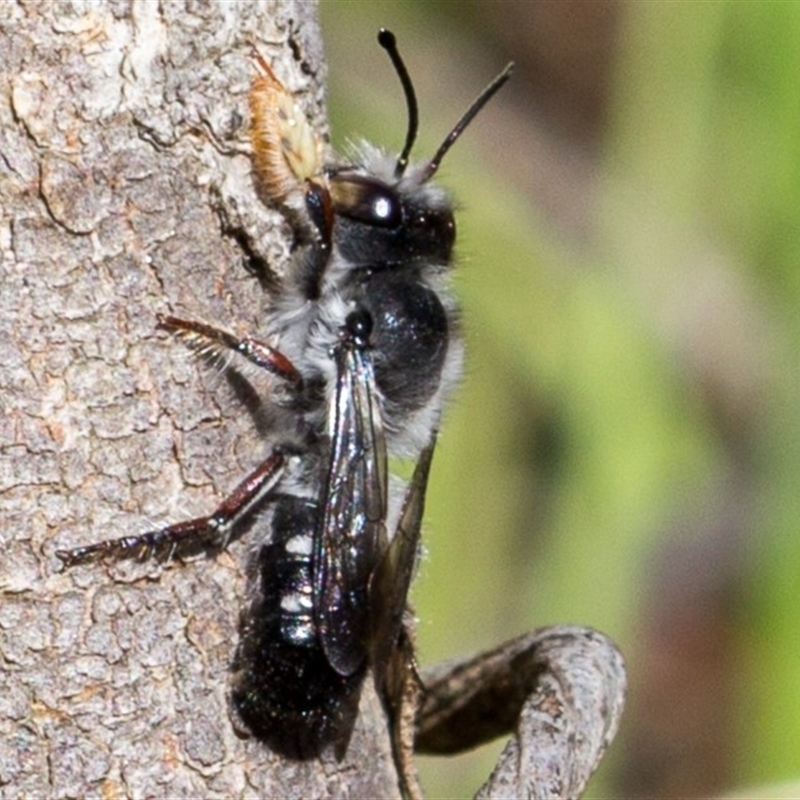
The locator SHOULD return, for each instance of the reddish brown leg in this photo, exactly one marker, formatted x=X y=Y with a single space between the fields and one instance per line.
x=205 y=338
x=191 y=536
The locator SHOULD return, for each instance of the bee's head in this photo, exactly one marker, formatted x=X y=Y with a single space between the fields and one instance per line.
x=386 y=216
x=386 y=221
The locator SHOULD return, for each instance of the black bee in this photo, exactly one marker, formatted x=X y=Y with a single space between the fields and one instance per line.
x=366 y=351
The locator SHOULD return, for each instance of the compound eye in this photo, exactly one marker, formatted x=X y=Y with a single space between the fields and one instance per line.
x=366 y=200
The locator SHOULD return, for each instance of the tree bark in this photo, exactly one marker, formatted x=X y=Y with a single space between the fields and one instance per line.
x=125 y=192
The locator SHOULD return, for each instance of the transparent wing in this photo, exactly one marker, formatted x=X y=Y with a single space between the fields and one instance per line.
x=392 y=579
x=353 y=529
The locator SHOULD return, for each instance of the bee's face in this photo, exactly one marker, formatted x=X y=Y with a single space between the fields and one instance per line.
x=381 y=224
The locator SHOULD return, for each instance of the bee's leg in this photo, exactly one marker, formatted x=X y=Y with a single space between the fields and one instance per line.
x=314 y=262
x=402 y=690
x=208 y=340
x=191 y=536
x=559 y=690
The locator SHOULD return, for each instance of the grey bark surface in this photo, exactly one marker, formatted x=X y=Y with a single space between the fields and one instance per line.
x=123 y=171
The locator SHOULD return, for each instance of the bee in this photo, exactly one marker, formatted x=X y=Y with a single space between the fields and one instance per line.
x=365 y=350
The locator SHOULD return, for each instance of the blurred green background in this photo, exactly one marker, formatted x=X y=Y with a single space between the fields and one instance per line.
x=625 y=450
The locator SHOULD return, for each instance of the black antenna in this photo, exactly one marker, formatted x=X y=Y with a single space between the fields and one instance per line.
x=389 y=44
x=479 y=103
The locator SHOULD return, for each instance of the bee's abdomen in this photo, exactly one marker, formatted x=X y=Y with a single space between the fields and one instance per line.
x=285 y=691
